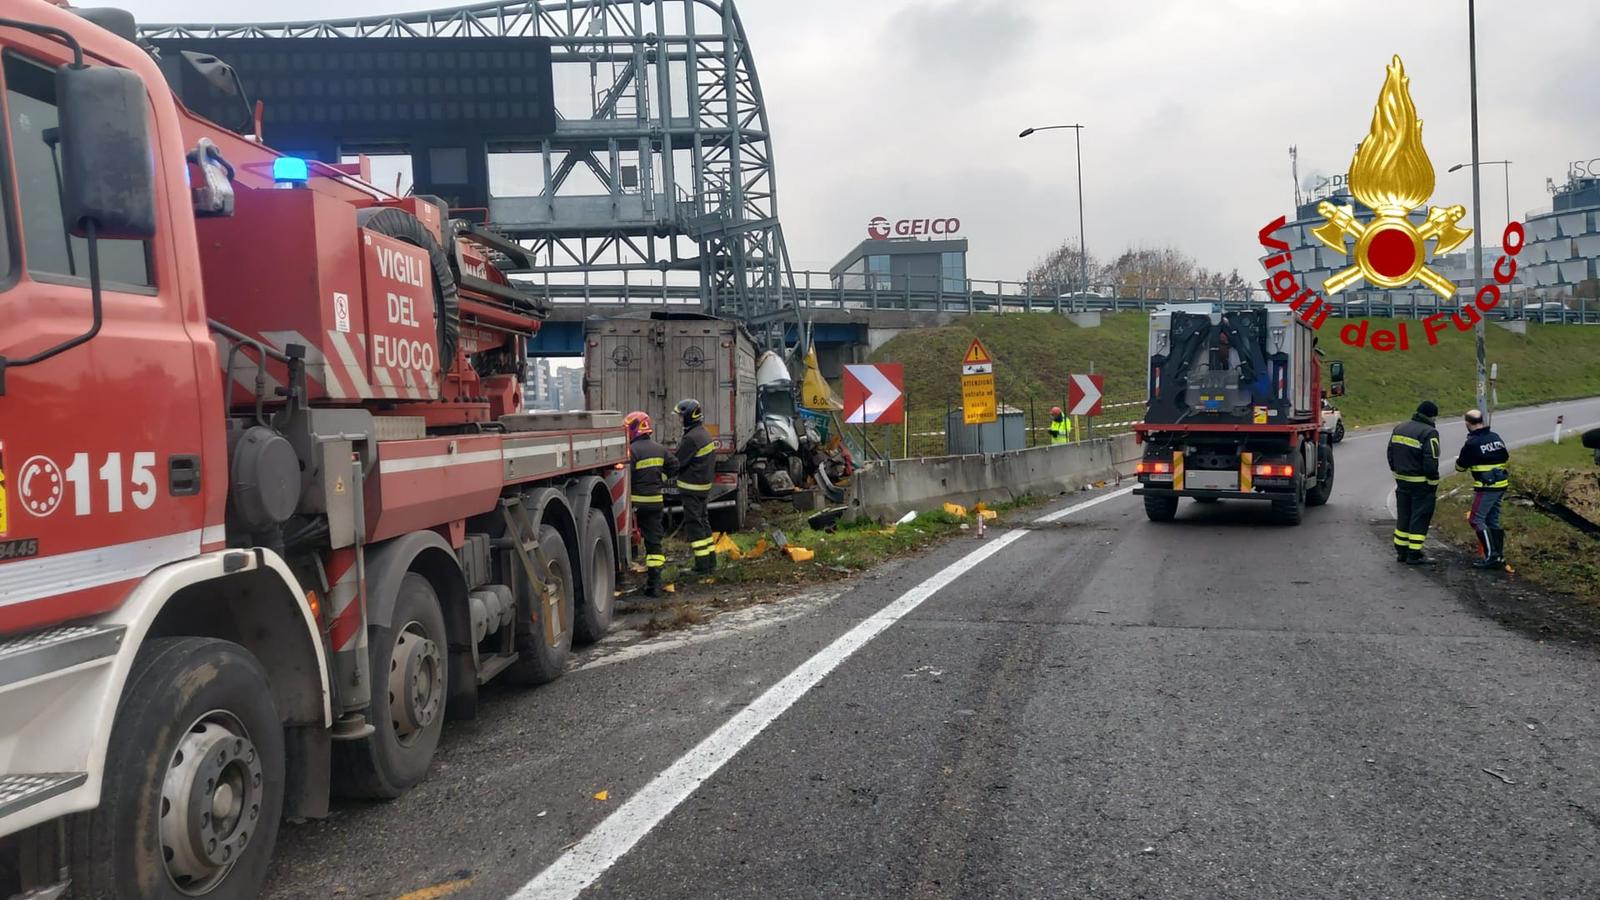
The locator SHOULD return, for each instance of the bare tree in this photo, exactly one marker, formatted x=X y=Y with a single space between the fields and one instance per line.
x=1061 y=272
x=1158 y=273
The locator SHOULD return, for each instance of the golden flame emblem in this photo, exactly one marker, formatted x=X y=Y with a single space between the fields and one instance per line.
x=1392 y=175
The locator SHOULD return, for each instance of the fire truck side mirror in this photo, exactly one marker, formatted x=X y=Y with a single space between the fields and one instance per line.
x=107 y=156
x=1336 y=378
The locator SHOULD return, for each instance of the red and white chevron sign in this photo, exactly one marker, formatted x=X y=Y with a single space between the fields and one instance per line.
x=1085 y=393
x=875 y=394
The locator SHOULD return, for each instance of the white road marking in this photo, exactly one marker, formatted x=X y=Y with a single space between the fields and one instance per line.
x=1063 y=513
x=588 y=859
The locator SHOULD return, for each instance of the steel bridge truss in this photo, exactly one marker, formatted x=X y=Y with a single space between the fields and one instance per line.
x=660 y=173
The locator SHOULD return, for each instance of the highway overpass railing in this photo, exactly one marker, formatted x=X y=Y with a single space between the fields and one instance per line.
x=820 y=291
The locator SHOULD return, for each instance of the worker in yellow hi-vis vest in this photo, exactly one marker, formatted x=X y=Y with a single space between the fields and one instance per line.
x=1060 y=426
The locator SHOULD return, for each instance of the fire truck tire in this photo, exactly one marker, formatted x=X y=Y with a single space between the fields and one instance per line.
x=1290 y=510
x=409 y=686
x=194 y=779
x=593 y=617
x=1160 y=509
x=1320 y=494
x=543 y=662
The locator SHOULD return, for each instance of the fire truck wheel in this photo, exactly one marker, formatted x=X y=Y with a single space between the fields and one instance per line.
x=409 y=687
x=1289 y=511
x=545 y=650
x=599 y=582
x=1160 y=509
x=1320 y=494
x=193 y=779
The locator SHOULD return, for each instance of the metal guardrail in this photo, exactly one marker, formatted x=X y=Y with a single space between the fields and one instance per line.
x=815 y=291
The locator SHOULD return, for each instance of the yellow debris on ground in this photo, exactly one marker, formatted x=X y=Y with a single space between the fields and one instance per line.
x=799 y=554
x=725 y=544
x=988 y=515
x=958 y=511
x=760 y=548
x=603 y=796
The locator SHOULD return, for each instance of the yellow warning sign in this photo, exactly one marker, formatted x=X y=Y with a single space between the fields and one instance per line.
x=977 y=354
x=978 y=405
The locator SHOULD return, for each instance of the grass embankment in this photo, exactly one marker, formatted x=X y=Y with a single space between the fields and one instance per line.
x=1034 y=354
x=1543 y=549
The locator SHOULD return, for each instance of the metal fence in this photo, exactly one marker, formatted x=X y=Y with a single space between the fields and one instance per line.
x=917 y=439
x=933 y=293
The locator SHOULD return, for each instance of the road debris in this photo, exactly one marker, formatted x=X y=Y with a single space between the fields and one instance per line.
x=603 y=796
x=1500 y=775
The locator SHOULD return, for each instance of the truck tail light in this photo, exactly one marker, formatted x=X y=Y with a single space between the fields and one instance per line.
x=1274 y=470
x=1153 y=467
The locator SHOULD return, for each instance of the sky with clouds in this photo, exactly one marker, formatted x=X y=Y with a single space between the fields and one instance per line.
x=909 y=108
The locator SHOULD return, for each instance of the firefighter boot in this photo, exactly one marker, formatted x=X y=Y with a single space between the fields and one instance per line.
x=1401 y=554
x=652 y=582
x=1415 y=558
x=1487 y=545
x=1499 y=536
x=705 y=565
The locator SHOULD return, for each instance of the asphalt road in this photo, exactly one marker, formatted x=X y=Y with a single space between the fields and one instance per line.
x=1099 y=706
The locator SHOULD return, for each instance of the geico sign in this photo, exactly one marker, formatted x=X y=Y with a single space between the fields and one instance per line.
x=879 y=228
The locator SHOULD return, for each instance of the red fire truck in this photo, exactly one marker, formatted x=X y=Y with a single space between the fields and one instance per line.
x=269 y=513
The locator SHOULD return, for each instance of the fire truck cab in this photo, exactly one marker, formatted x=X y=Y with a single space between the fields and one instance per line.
x=269 y=512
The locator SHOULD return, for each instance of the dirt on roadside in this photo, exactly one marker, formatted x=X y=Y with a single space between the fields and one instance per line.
x=1511 y=601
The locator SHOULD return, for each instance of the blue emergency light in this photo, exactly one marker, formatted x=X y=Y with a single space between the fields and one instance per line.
x=290 y=170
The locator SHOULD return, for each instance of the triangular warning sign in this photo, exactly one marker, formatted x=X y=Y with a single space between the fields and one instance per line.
x=976 y=354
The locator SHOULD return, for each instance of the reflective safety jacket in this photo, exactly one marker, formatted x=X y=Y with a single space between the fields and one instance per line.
x=1060 y=431
x=652 y=466
x=1414 y=451
x=697 y=460
x=1486 y=457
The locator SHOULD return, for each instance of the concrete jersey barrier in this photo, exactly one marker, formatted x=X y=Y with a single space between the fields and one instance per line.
x=892 y=488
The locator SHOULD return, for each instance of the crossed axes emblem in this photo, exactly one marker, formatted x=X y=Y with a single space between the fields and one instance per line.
x=1389 y=250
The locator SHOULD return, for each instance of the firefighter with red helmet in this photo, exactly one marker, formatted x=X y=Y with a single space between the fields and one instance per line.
x=652 y=468
x=1060 y=426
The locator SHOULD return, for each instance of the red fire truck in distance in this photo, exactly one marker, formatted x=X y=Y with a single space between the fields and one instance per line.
x=269 y=513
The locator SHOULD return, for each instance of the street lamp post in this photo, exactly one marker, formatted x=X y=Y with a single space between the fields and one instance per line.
x=1083 y=252
x=1477 y=208
x=1506 y=167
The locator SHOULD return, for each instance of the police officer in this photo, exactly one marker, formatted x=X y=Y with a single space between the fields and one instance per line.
x=651 y=467
x=1414 y=460
x=1486 y=457
x=1060 y=426
x=697 y=462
